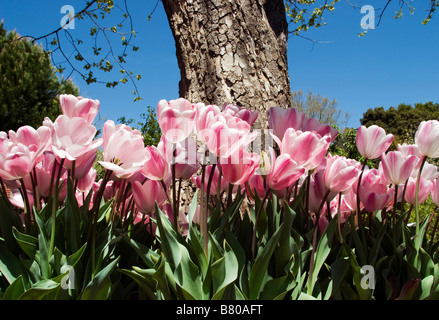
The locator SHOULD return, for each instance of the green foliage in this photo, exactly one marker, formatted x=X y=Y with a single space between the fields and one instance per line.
x=138 y=263
x=30 y=85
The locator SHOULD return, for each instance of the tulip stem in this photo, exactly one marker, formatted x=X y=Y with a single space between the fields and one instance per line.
x=358 y=191
x=338 y=218
x=27 y=212
x=433 y=233
x=174 y=197
x=418 y=240
x=203 y=217
x=255 y=229
x=94 y=218
x=54 y=204
x=36 y=191
x=314 y=241
x=394 y=218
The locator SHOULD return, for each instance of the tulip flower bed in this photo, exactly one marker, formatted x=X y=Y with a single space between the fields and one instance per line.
x=287 y=220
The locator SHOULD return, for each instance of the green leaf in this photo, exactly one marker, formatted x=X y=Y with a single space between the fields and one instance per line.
x=339 y=269
x=259 y=269
x=224 y=272
x=144 y=280
x=26 y=242
x=15 y=289
x=168 y=239
x=9 y=219
x=277 y=289
x=285 y=250
x=42 y=256
x=10 y=265
x=162 y=275
x=148 y=256
x=100 y=286
x=192 y=209
x=322 y=251
x=41 y=290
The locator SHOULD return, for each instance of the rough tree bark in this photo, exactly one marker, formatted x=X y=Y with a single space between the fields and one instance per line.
x=232 y=51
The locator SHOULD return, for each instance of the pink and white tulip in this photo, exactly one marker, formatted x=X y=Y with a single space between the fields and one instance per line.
x=176 y=119
x=373 y=141
x=79 y=107
x=427 y=138
x=147 y=194
x=396 y=167
x=123 y=150
x=238 y=172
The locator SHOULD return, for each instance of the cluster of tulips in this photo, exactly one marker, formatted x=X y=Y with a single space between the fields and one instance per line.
x=215 y=149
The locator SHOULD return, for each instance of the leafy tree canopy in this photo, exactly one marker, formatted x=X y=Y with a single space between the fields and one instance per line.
x=29 y=84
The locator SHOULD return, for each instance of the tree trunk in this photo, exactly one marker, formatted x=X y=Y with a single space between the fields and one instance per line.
x=232 y=51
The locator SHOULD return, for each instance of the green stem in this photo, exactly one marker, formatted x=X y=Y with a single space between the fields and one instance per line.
x=54 y=205
x=255 y=229
x=27 y=208
x=417 y=238
x=314 y=241
x=203 y=217
x=174 y=197
x=94 y=218
x=394 y=219
x=338 y=218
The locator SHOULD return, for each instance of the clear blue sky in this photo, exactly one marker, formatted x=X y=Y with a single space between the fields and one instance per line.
x=395 y=63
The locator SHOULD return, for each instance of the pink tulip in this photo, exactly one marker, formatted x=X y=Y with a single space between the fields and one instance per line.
x=176 y=119
x=372 y=142
x=44 y=171
x=306 y=148
x=429 y=172
x=79 y=107
x=242 y=113
x=238 y=172
x=425 y=188
x=410 y=150
x=280 y=119
x=435 y=192
x=340 y=174
x=215 y=179
x=373 y=194
x=322 y=129
x=396 y=167
x=317 y=191
x=123 y=150
x=86 y=163
x=204 y=118
x=16 y=163
x=285 y=171
x=256 y=184
x=427 y=138
x=85 y=183
x=5 y=142
x=181 y=154
x=227 y=134
x=72 y=138
x=36 y=140
x=16 y=198
x=349 y=200
x=156 y=167
x=147 y=194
